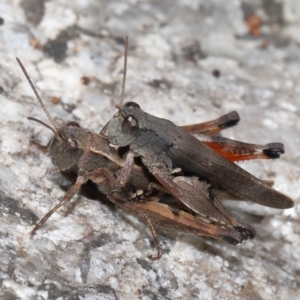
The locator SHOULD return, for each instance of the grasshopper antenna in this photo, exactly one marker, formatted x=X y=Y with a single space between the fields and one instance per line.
x=120 y=105
x=39 y=99
x=41 y=122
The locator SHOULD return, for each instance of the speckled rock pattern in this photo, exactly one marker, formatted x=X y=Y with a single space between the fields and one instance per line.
x=189 y=61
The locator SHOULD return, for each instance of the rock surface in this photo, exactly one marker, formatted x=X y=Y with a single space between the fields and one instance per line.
x=189 y=61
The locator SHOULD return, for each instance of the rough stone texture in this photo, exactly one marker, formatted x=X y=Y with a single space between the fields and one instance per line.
x=189 y=61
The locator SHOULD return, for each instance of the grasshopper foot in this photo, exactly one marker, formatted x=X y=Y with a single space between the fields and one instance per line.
x=231 y=240
x=155 y=257
x=239 y=234
x=274 y=150
x=246 y=233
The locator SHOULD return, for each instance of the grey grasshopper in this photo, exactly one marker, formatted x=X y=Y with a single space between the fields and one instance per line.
x=165 y=148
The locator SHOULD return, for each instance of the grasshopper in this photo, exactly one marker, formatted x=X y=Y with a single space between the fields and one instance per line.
x=164 y=148
x=98 y=162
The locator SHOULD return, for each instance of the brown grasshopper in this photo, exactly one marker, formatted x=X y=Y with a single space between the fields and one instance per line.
x=164 y=147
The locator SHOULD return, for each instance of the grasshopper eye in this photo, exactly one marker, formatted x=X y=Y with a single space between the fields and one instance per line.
x=131 y=104
x=72 y=143
x=129 y=124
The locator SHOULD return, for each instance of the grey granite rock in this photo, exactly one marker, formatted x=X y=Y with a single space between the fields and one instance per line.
x=189 y=61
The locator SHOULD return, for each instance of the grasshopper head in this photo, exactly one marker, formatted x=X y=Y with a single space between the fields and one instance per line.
x=126 y=125
x=65 y=146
